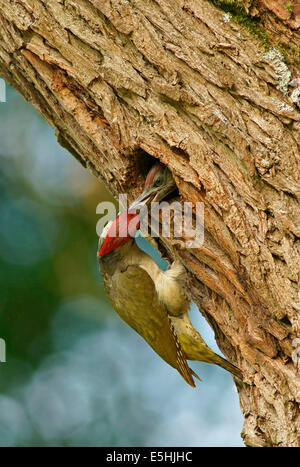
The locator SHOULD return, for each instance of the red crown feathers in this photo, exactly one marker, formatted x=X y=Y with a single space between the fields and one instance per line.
x=150 y=177
x=120 y=231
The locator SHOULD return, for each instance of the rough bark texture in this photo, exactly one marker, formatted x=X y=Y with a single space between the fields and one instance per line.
x=187 y=83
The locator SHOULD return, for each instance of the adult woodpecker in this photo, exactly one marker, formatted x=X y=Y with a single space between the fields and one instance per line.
x=150 y=300
x=169 y=285
x=129 y=277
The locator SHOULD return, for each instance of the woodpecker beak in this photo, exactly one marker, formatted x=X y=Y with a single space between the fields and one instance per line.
x=145 y=198
x=152 y=194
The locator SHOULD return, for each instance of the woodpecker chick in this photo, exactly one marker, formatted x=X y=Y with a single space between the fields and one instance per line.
x=159 y=183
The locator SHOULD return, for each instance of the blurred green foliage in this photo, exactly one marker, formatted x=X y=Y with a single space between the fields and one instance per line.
x=47 y=231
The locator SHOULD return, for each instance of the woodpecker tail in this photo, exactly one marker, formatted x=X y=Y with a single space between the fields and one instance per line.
x=195 y=347
x=195 y=375
x=228 y=366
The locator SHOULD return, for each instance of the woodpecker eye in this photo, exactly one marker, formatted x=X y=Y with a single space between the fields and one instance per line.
x=158 y=181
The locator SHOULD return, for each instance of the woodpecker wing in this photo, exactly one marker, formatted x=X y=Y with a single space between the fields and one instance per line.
x=133 y=295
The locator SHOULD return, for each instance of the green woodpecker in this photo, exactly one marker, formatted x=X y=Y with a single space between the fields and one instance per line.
x=152 y=301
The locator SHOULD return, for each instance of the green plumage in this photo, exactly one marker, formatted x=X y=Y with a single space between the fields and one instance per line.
x=133 y=296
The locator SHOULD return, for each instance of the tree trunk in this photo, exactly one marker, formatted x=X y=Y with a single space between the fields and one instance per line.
x=206 y=91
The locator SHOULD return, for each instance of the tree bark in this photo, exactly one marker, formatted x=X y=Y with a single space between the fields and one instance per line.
x=206 y=91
